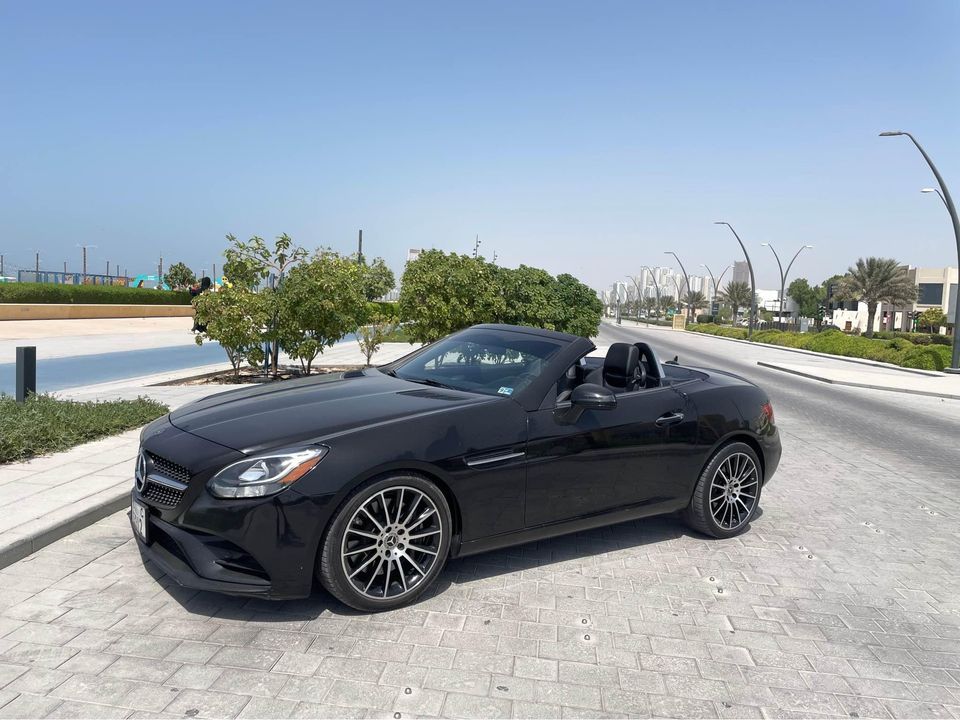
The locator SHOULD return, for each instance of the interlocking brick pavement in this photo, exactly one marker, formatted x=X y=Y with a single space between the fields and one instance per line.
x=841 y=600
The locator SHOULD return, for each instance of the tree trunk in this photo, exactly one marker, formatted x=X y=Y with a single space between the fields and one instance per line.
x=871 y=311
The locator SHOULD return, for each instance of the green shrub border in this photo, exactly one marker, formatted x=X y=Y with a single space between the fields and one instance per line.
x=48 y=293
x=899 y=350
x=43 y=424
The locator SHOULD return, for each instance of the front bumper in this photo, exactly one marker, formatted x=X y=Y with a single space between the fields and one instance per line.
x=234 y=561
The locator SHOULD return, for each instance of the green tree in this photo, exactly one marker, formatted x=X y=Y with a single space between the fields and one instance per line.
x=737 y=295
x=649 y=305
x=530 y=297
x=877 y=280
x=580 y=310
x=378 y=279
x=179 y=276
x=666 y=303
x=442 y=293
x=371 y=335
x=250 y=263
x=234 y=317
x=695 y=300
x=318 y=303
x=808 y=298
x=932 y=319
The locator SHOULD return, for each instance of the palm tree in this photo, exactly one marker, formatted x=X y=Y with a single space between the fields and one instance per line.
x=695 y=300
x=666 y=302
x=875 y=281
x=649 y=304
x=738 y=295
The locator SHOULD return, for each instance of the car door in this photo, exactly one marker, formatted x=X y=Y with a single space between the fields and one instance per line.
x=586 y=462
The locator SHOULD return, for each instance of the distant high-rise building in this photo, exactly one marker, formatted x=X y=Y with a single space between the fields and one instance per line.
x=741 y=272
x=413 y=253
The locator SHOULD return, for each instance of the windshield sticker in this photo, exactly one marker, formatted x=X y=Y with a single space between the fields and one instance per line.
x=505 y=391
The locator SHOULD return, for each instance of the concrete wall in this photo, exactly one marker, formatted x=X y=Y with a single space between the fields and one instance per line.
x=52 y=311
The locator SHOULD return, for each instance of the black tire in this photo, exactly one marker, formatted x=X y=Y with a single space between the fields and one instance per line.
x=333 y=563
x=701 y=514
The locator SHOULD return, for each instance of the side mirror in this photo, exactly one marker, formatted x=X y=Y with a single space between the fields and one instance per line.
x=593 y=397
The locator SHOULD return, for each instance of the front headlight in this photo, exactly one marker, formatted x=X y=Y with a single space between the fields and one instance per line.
x=266 y=474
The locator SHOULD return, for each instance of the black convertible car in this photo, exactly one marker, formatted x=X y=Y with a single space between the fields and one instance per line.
x=493 y=436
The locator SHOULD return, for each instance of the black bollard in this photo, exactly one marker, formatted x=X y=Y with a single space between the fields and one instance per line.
x=26 y=372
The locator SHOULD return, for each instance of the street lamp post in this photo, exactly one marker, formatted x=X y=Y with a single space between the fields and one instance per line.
x=783 y=274
x=656 y=286
x=951 y=208
x=753 y=282
x=637 y=286
x=716 y=283
x=686 y=279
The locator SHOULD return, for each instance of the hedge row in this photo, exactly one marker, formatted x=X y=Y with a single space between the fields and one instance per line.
x=89 y=294
x=897 y=351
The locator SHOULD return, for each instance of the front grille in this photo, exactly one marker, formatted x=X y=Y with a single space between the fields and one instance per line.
x=169 y=469
x=162 y=495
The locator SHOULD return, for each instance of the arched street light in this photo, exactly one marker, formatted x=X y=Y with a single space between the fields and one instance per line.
x=656 y=286
x=716 y=283
x=753 y=282
x=939 y=194
x=951 y=208
x=784 y=273
x=637 y=286
x=686 y=279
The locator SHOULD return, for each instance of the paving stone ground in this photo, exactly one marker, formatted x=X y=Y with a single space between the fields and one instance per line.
x=841 y=601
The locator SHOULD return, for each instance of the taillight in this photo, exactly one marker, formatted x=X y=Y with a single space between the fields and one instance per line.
x=767 y=410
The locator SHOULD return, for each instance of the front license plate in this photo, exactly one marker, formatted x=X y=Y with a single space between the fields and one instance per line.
x=138 y=517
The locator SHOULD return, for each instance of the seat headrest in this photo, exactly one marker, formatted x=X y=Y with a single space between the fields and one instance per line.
x=621 y=365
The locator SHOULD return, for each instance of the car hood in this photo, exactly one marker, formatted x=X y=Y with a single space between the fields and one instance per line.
x=313 y=409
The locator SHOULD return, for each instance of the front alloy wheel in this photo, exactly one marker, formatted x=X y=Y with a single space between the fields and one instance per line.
x=386 y=544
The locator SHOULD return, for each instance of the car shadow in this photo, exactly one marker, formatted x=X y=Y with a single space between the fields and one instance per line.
x=555 y=557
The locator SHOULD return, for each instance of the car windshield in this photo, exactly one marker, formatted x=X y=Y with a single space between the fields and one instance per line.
x=488 y=362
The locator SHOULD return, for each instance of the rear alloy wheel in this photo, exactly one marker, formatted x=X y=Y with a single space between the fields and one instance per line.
x=727 y=494
x=386 y=544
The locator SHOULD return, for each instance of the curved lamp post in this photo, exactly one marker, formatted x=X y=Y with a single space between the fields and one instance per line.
x=639 y=302
x=753 y=282
x=686 y=279
x=784 y=273
x=656 y=286
x=716 y=285
x=939 y=194
x=951 y=208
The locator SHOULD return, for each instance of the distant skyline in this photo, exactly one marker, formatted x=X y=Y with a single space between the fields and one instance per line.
x=580 y=138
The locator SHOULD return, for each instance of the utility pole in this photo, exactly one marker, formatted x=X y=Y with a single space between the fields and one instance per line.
x=214 y=276
x=38 y=268
x=1 y=264
x=360 y=247
x=64 y=268
x=108 y=268
x=476 y=247
x=160 y=273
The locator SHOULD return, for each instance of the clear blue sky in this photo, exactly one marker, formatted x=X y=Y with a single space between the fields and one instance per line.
x=580 y=137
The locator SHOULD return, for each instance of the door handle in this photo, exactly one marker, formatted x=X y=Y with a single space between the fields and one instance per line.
x=669 y=419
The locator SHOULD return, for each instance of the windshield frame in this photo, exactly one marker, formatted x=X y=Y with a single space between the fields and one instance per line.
x=570 y=347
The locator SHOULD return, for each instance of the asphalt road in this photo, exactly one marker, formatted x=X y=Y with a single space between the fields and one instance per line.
x=893 y=430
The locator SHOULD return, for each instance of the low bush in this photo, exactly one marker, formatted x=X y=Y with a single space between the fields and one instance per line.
x=89 y=294
x=736 y=333
x=44 y=424
x=893 y=348
x=706 y=318
x=917 y=338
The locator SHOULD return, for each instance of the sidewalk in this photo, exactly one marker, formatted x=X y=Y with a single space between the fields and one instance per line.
x=49 y=497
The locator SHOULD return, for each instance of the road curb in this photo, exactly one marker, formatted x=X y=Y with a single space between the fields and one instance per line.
x=865 y=386
x=24 y=544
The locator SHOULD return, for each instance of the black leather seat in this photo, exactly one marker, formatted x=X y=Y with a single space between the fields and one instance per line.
x=621 y=369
